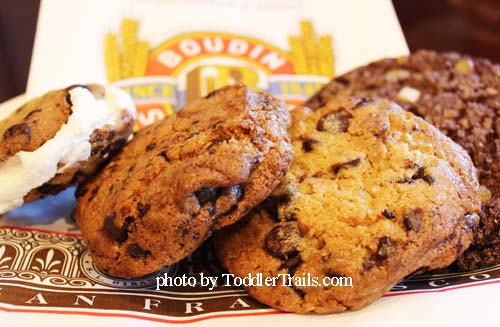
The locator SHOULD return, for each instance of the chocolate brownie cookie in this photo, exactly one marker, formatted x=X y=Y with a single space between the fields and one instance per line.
x=182 y=178
x=374 y=193
x=458 y=94
x=60 y=139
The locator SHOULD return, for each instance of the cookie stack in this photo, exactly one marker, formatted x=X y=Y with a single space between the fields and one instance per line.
x=358 y=183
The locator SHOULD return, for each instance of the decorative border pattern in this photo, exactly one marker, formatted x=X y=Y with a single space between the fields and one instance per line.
x=43 y=268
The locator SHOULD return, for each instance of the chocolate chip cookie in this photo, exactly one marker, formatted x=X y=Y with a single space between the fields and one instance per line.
x=458 y=94
x=60 y=139
x=373 y=194
x=182 y=178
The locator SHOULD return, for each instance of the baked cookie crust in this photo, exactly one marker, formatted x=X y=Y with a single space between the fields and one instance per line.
x=374 y=193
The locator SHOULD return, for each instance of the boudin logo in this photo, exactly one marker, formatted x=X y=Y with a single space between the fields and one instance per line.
x=188 y=66
x=171 y=57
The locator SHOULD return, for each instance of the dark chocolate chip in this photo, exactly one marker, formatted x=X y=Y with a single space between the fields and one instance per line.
x=317 y=103
x=368 y=264
x=361 y=103
x=350 y=164
x=292 y=264
x=271 y=207
x=342 y=80
x=228 y=212
x=111 y=135
x=95 y=150
x=335 y=122
x=206 y=194
x=298 y=291
x=413 y=220
x=114 y=148
x=18 y=129
x=406 y=180
x=420 y=174
x=50 y=188
x=333 y=273
x=308 y=145
x=216 y=123
x=211 y=210
x=228 y=198
x=79 y=177
x=211 y=94
x=414 y=110
x=93 y=193
x=142 y=209
x=80 y=191
x=429 y=179
x=32 y=113
x=119 y=234
x=388 y=214
x=135 y=251
x=213 y=145
x=265 y=100
x=283 y=240
x=469 y=222
x=164 y=154
x=150 y=147
x=183 y=228
x=191 y=135
x=291 y=216
x=321 y=244
x=272 y=203
x=385 y=248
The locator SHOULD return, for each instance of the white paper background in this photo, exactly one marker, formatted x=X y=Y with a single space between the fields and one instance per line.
x=69 y=43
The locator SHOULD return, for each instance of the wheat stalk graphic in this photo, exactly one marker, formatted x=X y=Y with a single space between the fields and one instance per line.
x=312 y=54
x=124 y=54
x=127 y=56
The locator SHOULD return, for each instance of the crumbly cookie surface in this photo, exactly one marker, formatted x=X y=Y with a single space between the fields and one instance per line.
x=182 y=178
x=373 y=193
x=458 y=94
x=39 y=120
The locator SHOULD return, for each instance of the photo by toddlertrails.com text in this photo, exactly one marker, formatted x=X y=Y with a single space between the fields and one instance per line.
x=227 y=279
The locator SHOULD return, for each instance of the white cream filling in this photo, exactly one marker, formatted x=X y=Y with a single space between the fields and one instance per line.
x=27 y=170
